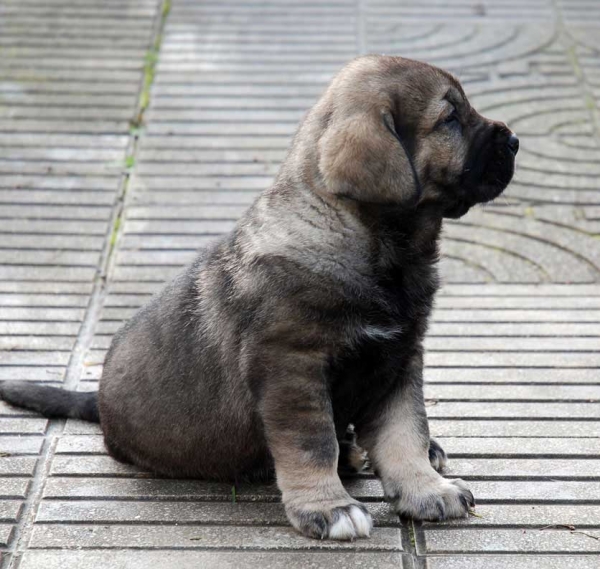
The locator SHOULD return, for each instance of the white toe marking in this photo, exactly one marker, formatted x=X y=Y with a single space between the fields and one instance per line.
x=362 y=522
x=342 y=528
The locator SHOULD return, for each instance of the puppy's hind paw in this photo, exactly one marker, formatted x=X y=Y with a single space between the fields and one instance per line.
x=352 y=459
x=344 y=523
x=437 y=456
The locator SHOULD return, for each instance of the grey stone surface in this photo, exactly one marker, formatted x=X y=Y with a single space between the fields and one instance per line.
x=530 y=515
x=514 y=392
x=72 y=559
x=539 y=492
x=501 y=410
x=216 y=513
x=513 y=428
x=523 y=561
x=512 y=541
x=497 y=468
x=513 y=350
x=512 y=447
x=198 y=537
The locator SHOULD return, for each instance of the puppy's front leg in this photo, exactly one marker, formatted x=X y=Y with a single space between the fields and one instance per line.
x=298 y=420
x=397 y=440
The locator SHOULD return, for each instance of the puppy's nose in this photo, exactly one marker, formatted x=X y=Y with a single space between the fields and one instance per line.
x=513 y=143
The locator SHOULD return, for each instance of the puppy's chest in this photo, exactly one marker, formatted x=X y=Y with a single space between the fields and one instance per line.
x=396 y=322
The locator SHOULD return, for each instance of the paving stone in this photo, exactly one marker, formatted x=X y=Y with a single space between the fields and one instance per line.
x=15 y=426
x=513 y=392
x=204 y=537
x=523 y=516
x=42 y=313
x=512 y=541
x=523 y=561
x=81 y=444
x=140 y=485
x=14 y=487
x=31 y=373
x=513 y=428
x=19 y=445
x=513 y=359
x=75 y=427
x=511 y=375
x=518 y=302
x=538 y=492
x=495 y=410
x=511 y=345
x=32 y=358
x=16 y=466
x=527 y=316
x=9 y=510
x=36 y=343
x=43 y=300
x=180 y=513
x=518 y=330
x=517 y=290
x=131 y=559
x=499 y=447
x=39 y=328
x=495 y=468
x=5 y=533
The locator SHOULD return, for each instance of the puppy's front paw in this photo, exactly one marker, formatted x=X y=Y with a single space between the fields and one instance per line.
x=331 y=519
x=432 y=498
x=437 y=455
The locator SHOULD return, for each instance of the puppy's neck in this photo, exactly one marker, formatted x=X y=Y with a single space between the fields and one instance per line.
x=400 y=232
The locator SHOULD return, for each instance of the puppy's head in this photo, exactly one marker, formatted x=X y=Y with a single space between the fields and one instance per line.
x=393 y=130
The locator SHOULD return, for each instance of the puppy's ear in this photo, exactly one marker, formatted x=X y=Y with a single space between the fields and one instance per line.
x=363 y=158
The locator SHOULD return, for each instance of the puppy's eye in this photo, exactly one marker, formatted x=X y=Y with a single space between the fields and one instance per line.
x=451 y=119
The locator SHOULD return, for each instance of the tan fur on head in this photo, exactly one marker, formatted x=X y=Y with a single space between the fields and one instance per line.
x=359 y=153
x=359 y=159
x=378 y=135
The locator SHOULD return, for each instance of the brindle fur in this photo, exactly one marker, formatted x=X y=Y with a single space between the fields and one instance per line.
x=310 y=315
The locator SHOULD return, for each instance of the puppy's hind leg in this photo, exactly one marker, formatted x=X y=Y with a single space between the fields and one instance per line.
x=352 y=458
x=437 y=455
x=298 y=420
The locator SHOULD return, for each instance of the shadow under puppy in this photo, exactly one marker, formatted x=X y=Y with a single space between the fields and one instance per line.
x=309 y=317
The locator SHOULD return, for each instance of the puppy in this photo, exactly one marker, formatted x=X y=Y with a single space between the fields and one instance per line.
x=310 y=316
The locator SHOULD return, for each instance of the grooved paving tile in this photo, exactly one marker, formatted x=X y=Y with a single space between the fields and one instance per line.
x=199 y=537
x=90 y=559
x=70 y=73
x=517 y=562
x=512 y=385
x=512 y=541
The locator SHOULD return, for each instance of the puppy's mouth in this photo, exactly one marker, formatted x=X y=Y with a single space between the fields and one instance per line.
x=457 y=210
x=487 y=174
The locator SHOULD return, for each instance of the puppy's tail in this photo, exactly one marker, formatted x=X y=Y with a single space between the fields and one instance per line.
x=51 y=402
